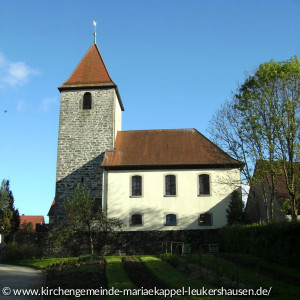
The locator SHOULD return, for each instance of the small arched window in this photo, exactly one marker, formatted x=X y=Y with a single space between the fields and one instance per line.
x=204 y=184
x=136 y=219
x=87 y=101
x=171 y=220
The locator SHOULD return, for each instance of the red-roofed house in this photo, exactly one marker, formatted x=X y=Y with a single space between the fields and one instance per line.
x=170 y=179
x=256 y=209
x=33 y=220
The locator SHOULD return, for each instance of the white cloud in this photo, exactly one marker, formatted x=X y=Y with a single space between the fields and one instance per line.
x=14 y=73
x=48 y=103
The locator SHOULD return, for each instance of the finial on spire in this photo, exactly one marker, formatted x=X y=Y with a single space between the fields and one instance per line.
x=95 y=24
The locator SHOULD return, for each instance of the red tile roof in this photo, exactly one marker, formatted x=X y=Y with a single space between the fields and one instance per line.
x=181 y=147
x=91 y=71
x=32 y=219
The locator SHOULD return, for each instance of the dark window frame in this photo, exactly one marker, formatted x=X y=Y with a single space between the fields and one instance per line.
x=204 y=188
x=170 y=219
x=136 y=219
x=136 y=187
x=205 y=219
x=170 y=185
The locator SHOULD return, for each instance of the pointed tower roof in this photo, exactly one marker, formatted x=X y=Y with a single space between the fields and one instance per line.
x=91 y=72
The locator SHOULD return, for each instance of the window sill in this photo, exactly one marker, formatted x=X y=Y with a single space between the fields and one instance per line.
x=138 y=225
x=170 y=196
x=136 y=196
x=204 y=195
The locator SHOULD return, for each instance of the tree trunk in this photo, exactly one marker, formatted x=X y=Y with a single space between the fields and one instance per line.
x=265 y=199
x=91 y=239
x=294 y=212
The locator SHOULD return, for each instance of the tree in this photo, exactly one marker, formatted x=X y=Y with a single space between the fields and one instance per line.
x=269 y=103
x=9 y=216
x=83 y=214
x=235 y=212
x=265 y=128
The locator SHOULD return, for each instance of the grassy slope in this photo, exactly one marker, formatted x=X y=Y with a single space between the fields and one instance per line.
x=174 y=278
x=44 y=262
x=248 y=278
x=117 y=277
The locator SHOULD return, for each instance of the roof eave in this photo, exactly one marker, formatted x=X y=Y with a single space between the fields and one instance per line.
x=87 y=86
x=172 y=166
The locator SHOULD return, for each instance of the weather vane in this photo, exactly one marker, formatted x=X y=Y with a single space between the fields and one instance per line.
x=95 y=24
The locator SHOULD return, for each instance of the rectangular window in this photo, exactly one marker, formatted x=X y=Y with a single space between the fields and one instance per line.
x=136 y=186
x=170 y=185
x=204 y=184
x=205 y=219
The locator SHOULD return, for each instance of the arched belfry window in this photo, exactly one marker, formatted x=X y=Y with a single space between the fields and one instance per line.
x=87 y=101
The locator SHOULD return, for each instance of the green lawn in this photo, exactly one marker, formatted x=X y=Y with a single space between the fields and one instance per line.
x=45 y=262
x=176 y=273
x=240 y=276
x=117 y=277
x=174 y=278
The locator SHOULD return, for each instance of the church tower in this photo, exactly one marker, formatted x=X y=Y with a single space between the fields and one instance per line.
x=90 y=117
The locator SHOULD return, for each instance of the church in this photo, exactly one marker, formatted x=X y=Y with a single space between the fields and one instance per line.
x=169 y=179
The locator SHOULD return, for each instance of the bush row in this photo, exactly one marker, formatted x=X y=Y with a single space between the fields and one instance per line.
x=278 y=242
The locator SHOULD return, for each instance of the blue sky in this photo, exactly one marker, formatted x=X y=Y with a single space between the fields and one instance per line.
x=175 y=62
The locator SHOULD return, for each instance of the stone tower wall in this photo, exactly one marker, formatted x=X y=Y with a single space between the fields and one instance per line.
x=84 y=136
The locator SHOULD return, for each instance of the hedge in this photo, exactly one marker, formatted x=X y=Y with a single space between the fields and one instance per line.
x=278 y=242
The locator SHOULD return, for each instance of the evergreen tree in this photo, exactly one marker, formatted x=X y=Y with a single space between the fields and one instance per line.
x=9 y=216
x=235 y=212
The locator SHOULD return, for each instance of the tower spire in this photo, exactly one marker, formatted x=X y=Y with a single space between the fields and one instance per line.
x=95 y=24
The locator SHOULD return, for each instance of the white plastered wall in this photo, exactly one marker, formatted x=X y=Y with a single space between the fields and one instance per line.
x=187 y=205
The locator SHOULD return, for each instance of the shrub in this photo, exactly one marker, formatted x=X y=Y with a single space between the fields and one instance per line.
x=14 y=252
x=278 y=241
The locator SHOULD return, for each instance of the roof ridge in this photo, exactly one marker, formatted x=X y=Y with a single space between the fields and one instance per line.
x=103 y=63
x=166 y=129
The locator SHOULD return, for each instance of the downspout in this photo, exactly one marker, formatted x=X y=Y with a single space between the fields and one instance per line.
x=104 y=191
